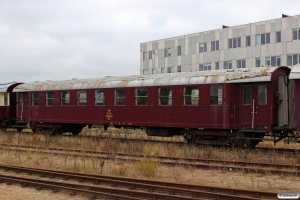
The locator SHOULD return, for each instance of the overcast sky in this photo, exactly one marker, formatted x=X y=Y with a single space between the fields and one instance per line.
x=65 y=39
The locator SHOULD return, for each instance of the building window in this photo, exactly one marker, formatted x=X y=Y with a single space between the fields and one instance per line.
x=6 y=99
x=81 y=98
x=35 y=99
x=215 y=45
x=162 y=70
x=241 y=64
x=273 y=61
x=165 y=96
x=257 y=62
x=296 y=34
x=120 y=97
x=144 y=55
x=50 y=98
x=216 y=93
x=178 y=68
x=99 y=97
x=153 y=71
x=248 y=41
x=179 y=51
x=247 y=94
x=171 y=69
x=293 y=59
x=167 y=52
x=65 y=98
x=234 y=43
x=205 y=67
x=190 y=96
x=145 y=71
x=141 y=96
x=227 y=65
x=217 y=66
x=23 y=99
x=151 y=54
x=262 y=95
x=202 y=47
x=278 y=36
x=262 y=39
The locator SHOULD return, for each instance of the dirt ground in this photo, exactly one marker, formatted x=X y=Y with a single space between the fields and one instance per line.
x=189 y=175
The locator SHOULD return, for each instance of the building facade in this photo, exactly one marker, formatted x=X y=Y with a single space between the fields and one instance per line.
x=273 y=42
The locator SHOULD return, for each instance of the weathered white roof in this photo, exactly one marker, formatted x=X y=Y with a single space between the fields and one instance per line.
x=261 y=74
x=295 y=72
x=5 y=86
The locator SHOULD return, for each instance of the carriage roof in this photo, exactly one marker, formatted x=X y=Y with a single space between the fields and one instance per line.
x=261 y=74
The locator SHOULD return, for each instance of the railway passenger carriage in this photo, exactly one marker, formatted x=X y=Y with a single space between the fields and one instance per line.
x=212 y=107
x=7 y=105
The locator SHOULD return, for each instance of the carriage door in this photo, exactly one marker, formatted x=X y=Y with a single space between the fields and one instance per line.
x=253 y=112
x=22 y=106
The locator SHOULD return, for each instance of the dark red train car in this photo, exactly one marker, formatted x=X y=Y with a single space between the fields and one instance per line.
x=8 y=113
x=212 y=107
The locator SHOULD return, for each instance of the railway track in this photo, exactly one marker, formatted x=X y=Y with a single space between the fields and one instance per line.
x=226 y=165
x=124 y=188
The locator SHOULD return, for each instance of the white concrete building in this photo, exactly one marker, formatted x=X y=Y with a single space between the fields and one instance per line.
x=273 y=42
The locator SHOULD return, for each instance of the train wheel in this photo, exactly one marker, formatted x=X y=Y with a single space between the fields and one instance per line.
x=19 y=129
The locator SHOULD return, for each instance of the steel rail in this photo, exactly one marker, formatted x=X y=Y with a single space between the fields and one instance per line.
x=182 y=160
x=175 y=189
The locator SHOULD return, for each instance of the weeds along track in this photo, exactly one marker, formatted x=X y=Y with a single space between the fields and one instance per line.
x=161 y=140
x=202 y=163
x=95 y=186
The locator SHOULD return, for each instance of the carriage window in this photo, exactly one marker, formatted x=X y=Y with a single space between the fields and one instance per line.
x=6 y=99
x=262 y=95
x=191 y=96
x=99 y=97
x=81 y=98
x=65 y=98
x=247 y=94
x=120 y=97
x=35 y=99
x=165 y=96
x=23 y=99
x=216 y=93
x=50 y=98
x=141 y=96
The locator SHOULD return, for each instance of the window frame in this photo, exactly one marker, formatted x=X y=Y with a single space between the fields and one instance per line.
x=168 y=52
x=169 y=97
x=81 y=101
x=178 y=50
x=251 y=96
x=49 y=100
x=96 y=99
x=65 y=101
x=35 y=101
x=248 y=41
x=241 y=64
x=204 y=48
x=264 y=38
x=227 y=64
x=215 y=45
x=278 y=36
x=119 y=97
x=234 y=43
x=259 y=95
x=137 y=97
x=151 y=54
x=145 y=71
x=218 y=95
x=257 y=64
x=179 y=68
x=205 y=67
x=191 y=96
